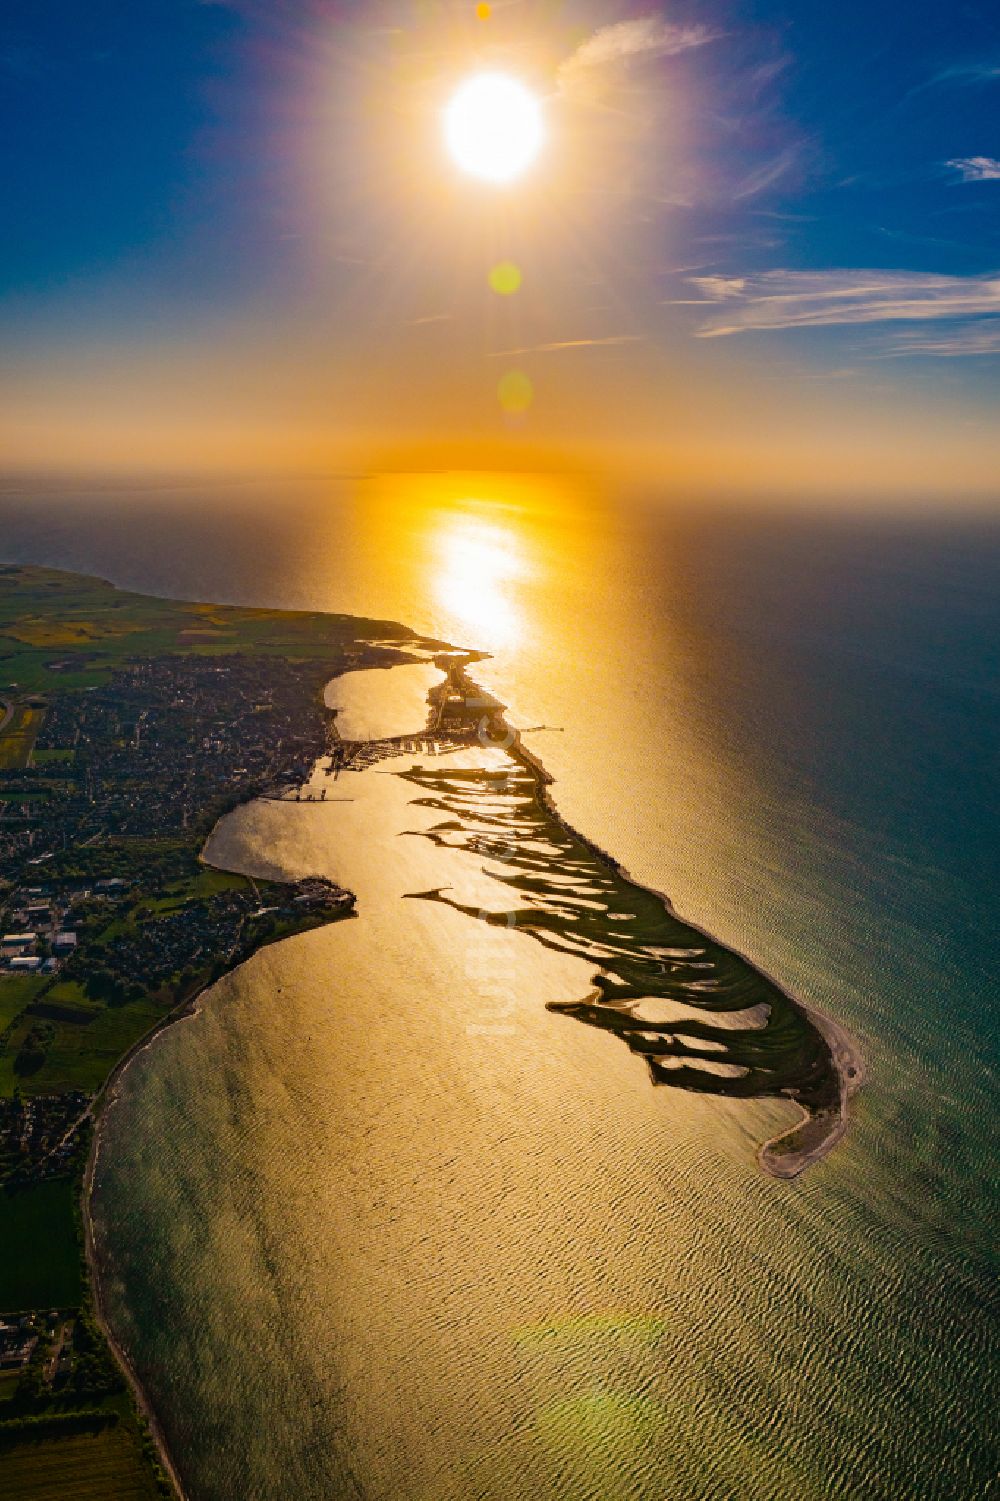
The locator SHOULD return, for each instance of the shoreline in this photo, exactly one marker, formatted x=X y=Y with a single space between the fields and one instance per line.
x=784 y=1166
x=185 y=1010
x=849 y=1065
x=845 y=1054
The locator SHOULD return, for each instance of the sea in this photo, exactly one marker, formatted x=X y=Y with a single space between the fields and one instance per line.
x=377 y=1223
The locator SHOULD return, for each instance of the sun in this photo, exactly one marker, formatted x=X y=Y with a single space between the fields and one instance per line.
x=493 y=127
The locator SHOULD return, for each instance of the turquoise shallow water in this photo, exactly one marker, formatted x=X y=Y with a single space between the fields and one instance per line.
x=383 y=1226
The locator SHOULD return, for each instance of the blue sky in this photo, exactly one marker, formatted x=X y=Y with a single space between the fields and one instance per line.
x=106 y=109
x=814 y=184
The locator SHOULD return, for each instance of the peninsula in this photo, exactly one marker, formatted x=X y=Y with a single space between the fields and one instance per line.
x=128 y=726
x=701 y=1015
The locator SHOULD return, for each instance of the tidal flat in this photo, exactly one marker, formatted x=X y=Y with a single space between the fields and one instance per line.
x=749 y=1039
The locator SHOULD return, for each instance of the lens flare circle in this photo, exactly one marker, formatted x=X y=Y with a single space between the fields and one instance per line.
x=515 y=392
x=493 y=127
x=505 y=278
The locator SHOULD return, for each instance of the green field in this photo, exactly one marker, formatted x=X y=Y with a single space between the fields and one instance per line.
x=66 y=1000
x=16 y=992
x=39 y=1247
x=64 y=630
x=203 y=882
x=83 y=1052
x=104 y=1466
x=18 y=736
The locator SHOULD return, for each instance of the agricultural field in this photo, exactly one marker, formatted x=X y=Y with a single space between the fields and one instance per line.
x=65 y=630
x=106 y=1465
x=16 y=992
x=82 y=1044
x=19 y=727
x=40 y=1265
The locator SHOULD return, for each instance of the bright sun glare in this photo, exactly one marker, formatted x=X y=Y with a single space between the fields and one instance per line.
x=478 y=566
x=493 y=127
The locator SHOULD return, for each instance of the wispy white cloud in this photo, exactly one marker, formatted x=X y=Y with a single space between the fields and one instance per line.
x=716 y=288
x=982 y=72
x=981 y=338
x=813 y=299
x=562 y=344
x=976 y=168
x=767 y=174
x=587 y=73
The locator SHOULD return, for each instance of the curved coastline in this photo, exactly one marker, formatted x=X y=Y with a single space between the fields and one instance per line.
x=186 y=1010
x=778 y=1162
x=849 y=1065
x=817 y=1133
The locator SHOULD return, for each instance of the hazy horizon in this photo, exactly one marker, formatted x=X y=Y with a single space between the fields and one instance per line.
x=756 y=252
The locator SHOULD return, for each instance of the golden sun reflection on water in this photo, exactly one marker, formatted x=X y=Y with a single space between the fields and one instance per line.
x=479 y=566
x=480 y=550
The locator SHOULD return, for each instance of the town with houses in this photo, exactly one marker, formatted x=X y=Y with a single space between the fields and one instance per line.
x=104 y=902
x=115 y=765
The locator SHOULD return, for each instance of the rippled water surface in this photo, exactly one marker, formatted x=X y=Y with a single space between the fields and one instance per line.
x=375 y=703
x=382 y=1225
